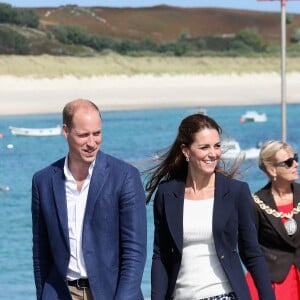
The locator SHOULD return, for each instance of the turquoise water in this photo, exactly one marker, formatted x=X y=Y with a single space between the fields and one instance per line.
x=134 y=136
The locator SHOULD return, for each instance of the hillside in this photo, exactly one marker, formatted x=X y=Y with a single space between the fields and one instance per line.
x=96 y=28
x=166 y=23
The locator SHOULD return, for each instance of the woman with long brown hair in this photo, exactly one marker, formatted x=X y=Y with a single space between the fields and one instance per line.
x=203 y=222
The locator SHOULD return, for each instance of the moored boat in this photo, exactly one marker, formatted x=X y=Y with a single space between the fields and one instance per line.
x=231 y=150
x=253 y=116
x=4 y=188
x=24 y=131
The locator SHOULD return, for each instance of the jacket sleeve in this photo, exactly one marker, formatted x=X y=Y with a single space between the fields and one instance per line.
x=159 y=268
x=133 y=237
x=250 y=250
x=42 y=259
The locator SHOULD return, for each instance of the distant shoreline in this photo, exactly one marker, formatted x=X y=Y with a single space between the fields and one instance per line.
x=47 y=66
x=26 y=95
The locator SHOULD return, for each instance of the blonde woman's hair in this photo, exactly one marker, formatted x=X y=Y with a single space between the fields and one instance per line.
x=268 y=152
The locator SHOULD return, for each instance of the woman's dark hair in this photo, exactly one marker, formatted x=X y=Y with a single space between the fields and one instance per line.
x=173 y=164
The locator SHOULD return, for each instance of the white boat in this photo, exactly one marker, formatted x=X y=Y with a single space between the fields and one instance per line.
x=35 y=131
x=202 y=110
x=253 y=116
x=4 y=188
x=231 y=150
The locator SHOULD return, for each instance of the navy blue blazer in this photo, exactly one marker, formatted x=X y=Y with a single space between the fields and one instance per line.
x=114 y=233
x=233 y=225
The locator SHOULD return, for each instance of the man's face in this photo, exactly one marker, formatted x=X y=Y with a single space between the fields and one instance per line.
x=85 y=136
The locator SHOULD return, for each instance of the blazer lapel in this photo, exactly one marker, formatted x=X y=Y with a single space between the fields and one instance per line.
x=296 y=196
x=174 y=211
x=276 y=222
x=100 y=173
x=222 y=204
x=60 y=200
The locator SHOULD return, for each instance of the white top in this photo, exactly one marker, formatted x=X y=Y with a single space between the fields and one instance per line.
x=201 y=274
x=76 y=203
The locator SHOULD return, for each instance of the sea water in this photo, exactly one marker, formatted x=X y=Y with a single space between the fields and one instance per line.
x=134 y=136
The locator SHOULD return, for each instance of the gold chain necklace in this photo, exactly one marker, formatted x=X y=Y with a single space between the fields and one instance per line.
x=273 y=212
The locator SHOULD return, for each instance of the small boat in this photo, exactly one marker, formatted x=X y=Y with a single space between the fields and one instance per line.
x=202 y=110
x=4 y=188
x=35 y=131
x=231 y=150
x=253 y=116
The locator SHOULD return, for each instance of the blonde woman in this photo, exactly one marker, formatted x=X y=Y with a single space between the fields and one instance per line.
x=277 y=216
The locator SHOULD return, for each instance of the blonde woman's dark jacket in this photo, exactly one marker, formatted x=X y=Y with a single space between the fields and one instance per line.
x=280 y=249
x=233 y=224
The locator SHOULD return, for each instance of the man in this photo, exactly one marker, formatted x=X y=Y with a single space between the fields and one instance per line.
x=89 y=218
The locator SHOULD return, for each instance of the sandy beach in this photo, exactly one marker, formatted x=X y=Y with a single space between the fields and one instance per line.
x=27 y=95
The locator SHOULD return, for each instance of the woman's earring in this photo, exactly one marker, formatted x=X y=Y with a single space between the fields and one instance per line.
x=187 y=158
x=274 y=178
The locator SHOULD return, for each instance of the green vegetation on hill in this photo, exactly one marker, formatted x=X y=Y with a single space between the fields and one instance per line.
x=157 y=31
x=19 y=16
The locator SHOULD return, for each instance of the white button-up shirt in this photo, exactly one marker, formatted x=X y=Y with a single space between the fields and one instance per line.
x=76 y=203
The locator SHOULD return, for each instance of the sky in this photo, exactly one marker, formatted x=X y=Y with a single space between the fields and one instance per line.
x=292 y=6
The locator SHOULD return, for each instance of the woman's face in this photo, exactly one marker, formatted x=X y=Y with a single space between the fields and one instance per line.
x=204 y=153
x=285 y=166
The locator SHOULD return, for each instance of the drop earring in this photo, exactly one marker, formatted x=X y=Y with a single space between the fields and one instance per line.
x=187 y=158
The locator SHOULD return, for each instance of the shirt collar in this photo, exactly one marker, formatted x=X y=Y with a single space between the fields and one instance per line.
x=68 y=173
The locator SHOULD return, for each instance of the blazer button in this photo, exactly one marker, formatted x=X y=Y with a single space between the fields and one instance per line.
x=222 y=257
